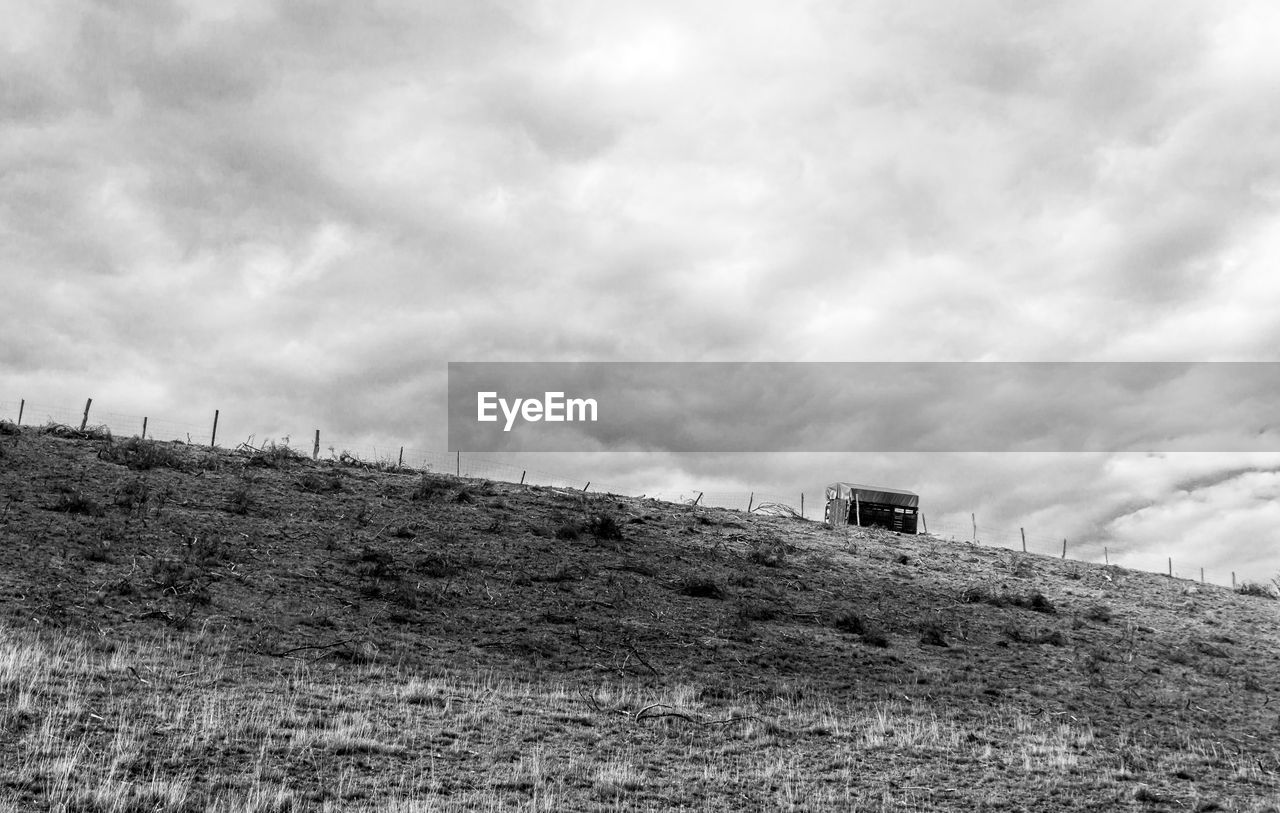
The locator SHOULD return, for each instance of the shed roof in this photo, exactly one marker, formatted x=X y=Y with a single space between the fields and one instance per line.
x=877 y=494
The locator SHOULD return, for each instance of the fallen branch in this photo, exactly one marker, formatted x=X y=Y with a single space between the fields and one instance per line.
x=640 y=658
x=310 y=646
x=644 y=714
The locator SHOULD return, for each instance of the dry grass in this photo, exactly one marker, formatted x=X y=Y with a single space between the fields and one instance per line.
x=172 y=724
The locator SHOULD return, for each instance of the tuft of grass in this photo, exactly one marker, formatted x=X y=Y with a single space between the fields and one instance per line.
x=865 y=628
x=77 y=502
x=1035 y=600
x=1256 y=589
x=431 y=487
x=9 y=428
x=1099 y=612
x=768 y=552
x=934 y=634
x=749 y=611
x=139 y=455
x=133 y=494
x=1037 y=636
x=701 y=587
x=240 y=500
x=604 y=526
x=320 y=483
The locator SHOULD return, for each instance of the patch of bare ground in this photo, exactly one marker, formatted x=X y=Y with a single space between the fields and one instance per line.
x=187 y=630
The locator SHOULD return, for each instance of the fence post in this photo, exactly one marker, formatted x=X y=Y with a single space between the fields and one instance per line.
x=144 y=427
x=21 y=406
x=1106 y=557
x=400 y=462
x=857 y=509
x=1202 y=575
x=522 y=474
x=1171 y=567
x=458 y=464
x=801 y=505
x=1233 y=580
x=751 y=501
x=925 y=522
x=1064 y=547
x=974 y=517
x=85 y=420
x=588 y=485
x=1024 y=539
x=315 y=450
x=699 y=499
x=213 y=439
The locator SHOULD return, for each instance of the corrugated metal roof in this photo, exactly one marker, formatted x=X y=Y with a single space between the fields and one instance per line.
x=878 y=494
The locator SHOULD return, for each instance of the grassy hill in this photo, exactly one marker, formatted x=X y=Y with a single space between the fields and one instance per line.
x=190 y=630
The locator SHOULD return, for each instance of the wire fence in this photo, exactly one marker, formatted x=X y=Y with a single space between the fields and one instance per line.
x=464 y=464
x=481 y=467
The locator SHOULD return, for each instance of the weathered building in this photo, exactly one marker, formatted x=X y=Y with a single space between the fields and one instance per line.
x=867 y=506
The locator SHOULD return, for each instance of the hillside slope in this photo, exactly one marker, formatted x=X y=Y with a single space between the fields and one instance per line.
x=195 y=630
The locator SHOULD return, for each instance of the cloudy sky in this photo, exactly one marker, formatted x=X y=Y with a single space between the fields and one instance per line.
x=298 y=213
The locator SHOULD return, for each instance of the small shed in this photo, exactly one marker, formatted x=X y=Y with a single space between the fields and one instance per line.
x=853 y=504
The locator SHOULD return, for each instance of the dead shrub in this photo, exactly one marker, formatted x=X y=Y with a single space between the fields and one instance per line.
x=274 y=455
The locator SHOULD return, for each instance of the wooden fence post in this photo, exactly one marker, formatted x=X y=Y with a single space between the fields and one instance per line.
x=1171 y=567
x=698 y=500
x=522 y=474
x=315 y=450
x=1106 y=557
x=801 y=505
x=400 y=463
x=1024 y=539
x=974 y=517
x=751 y=500
x=144 y=427
x=1064 y=547
x=1202 y=575
x=213 y=439
x=85 y=420
x=1233 y=580
x=21 y=406
x=458 y=464
x=857 y=509
x=925 y=522
x=588 y=485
